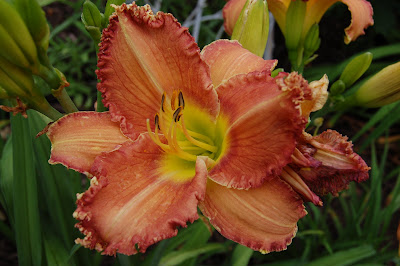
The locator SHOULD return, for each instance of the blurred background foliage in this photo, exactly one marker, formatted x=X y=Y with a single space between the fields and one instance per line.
x=359 y=227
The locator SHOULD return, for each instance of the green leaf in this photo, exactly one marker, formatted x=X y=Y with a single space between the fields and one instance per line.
x=241 y=255
x=26 y=209
x=345 y=257
x=6 y=180
x=174 y=258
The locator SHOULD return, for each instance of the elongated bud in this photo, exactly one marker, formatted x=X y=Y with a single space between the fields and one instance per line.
x=312 y=41
x=91 y=15
x=109 y=10
x=381 y=89
x=16 y=81
x=14 y=30
x=92 y=19
x=35 y=19
x=356 y=68
x=294 y=27
x=338 y=87
x=252 y=27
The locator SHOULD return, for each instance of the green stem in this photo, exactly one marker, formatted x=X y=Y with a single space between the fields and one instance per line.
x=57 y=83
x=65 y=101
x=45 y=108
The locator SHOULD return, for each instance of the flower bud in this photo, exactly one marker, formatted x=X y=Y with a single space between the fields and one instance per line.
x=16 y=81
x=312 y=41
x=251 y=29
x=15 y=38
x=35 y=20
x=294 y=27
x=381 y=89
x=338 y=87
x=91 y=15
x=356 y=68
x=3 y=94
x=92 y=19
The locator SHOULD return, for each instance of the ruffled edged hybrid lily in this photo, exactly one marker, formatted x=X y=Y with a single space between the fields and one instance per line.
x=361 y=12
x=187 y=129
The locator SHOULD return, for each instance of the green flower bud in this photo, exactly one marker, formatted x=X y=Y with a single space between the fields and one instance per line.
x=3 y=94
x=252 y=27
x=17 y=32
x=312 y=41
x=109 y=10
x=356 y=68
x=16 y=81
x=338 y=87
x=35 y=19
x=294 y=27
x=91 y=15
x=381 y=89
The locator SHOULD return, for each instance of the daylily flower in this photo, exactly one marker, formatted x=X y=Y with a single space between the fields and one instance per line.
x=361 y=12
x=186 y=130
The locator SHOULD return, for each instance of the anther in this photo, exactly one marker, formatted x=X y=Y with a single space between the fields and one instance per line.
x=181 y=101
x=177 y=114
x=157 y=122
x=162 y=102
x=173 y=98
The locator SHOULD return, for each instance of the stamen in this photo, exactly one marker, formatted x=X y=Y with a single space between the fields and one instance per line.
x=177 y=114
x=163 y=102
x=173 y=98
x=156 y=122
x=196 y=142
x=181 y=101
x=179 y=151
x=154 y=137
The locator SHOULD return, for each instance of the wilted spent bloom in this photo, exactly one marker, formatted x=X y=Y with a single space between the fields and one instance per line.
x=381 y=89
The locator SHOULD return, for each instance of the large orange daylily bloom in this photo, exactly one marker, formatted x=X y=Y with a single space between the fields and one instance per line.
x=361 y=12
x=186 y=130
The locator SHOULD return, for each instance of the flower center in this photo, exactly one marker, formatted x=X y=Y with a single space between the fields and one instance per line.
x=181 y=141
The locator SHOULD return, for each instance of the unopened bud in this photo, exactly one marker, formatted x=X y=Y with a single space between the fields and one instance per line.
x=338 y=87
x=356 y=68
x=312 y=41
x=14 y=30
x=294 y=27
x=381 y=89
x=35 y=20
x=16 y=81
x=252 y=27
x=3 y=94
x=91 y=15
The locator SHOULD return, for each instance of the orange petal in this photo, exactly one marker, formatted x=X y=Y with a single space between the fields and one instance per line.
x=333 y=163
x=319 y=96
x=263 y=218
x=361 y=16
x=134 y=201
x=143 y=55
x=228 y=58
x=265 y=123
x=278 y=8
x=79 y=137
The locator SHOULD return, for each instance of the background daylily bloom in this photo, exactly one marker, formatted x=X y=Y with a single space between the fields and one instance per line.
x=184 y=130
x=361 y=12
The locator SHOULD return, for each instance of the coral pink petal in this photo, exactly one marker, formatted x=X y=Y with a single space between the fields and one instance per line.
x=231 y=13
x=134 y=201
x=361 y=16
x=264 y=125
x=228 y=58
x=143 y=55
x=263 y=218
x=333 y=163
x=79 y=137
